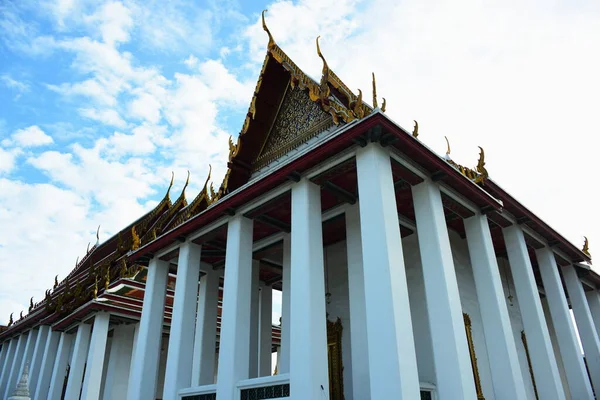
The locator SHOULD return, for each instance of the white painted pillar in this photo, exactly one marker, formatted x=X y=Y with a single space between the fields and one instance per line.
x=544 y=365
x=8 y=361
x=286 y=290
x=36 y=358
x=27 y=356
x=78 y=361
x=16 y=365
x=450 y=349
x=92 y=382
x=265 y=330
x=577 y=378
x=49 y=353
x=392 y=358
x=144 y=364
x=593 y=298
x=203 y=367
x=254 y=316
x=585 y=324
x=500 y=342
x=119 y=360
x=3 y=355
x=178 y=373
x=59 y=370
x=361 y=386
x=309 y=375
x=136 y=331
x=234 y=345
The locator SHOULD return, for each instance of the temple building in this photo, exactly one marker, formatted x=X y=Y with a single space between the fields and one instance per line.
x=403 y=275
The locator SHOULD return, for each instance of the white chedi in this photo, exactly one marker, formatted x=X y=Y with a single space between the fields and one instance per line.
x=21 y=392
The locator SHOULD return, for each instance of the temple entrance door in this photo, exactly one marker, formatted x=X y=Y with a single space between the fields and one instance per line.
x=334 y=357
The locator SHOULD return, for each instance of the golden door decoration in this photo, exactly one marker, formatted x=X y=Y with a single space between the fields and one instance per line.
x=467 y=321
x=334 y=356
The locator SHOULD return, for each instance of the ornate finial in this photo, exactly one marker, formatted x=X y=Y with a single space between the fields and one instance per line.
x=374 y=91
x=271 y=40
x=448 y=149
x=383 y=105
x=356 y=106
x=586 y=247
x=98 y=236
x=187 y=182
x=10 y=319
x=123 y=270
x=88 y=248
x=95 y=287
x=135 y=239
x=77 y=260
x=107 y=281
x=55 y=282
x=324 y=88
x=21 y=315
x=416 y=129
x=234 y=149
x=483 y=174
x=30 y=304
x=153 y=233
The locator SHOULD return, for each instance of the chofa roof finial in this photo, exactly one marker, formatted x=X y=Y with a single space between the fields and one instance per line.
x=448 y=148
x=374 y=91
x=271 y=40
x=586 y=247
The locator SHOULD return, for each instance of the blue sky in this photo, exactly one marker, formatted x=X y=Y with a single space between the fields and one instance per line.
x=101 y=100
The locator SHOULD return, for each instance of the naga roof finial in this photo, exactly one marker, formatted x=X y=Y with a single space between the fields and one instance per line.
x=98 y=236
x=481 y=164
x=415 y=132
x=55 y=281
x=448 y=148
x=325 y=74
x=207 y=178
x=264 y=25
x=187 y=182
x=135 y=239
x=383 y=105
x=30 y=304
x=10 y=319
x=374 y=91
x=586 y=247
x=325 y=66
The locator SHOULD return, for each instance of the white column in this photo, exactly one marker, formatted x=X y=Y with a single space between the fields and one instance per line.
x=450 y=350
x=92 y=382
x=203 y=367
x=392 y=357
x=16 y=365
x=585 y=324
x=27 y=355
x=8 y=361
x=37 y=356
x=265 y=330
x=545 y=370
x=136 y=332
x=144 y=364
x=286 y=290
x=59 y=370
x=577 y=378
x=254 y=299
x=4 y=354
x=78 y=361
x=361 y=386
x=119 y=360
x=178 y=373
x=234 y=344
x=309 y=375
x=593 y=298
x=500 y=342
x=50 y=351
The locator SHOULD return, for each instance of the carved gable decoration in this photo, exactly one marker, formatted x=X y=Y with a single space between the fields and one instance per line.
x=299 y=119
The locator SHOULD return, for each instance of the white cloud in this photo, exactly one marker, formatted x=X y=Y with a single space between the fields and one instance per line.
x=107 y=116
x=11 y=83
x=31 y=136
x=7 y=161
x=145 y=106
x=114 y=22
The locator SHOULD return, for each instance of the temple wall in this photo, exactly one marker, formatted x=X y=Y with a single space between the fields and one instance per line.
x=337 y=285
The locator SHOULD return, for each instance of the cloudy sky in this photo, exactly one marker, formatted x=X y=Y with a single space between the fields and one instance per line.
x=101 y=100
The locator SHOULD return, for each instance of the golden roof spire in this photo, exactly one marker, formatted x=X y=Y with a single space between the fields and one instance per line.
x=170 y=184
x=264 y=25
x=374 y=91
x=187 y=182
x=324 y=88
x=481 y=163
x=325 y=66
x=415 y=132
x=383 y=105
x=448 y=148
x=586 y=247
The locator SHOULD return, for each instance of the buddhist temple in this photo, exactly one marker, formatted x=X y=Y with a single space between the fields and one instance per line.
x=403 y=274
